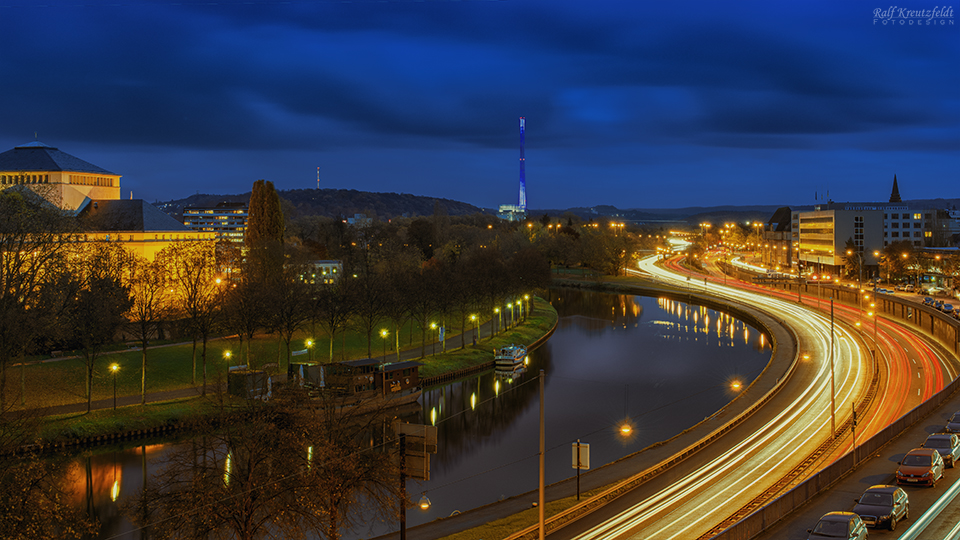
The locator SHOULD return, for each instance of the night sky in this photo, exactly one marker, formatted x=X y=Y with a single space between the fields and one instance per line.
x=634 y=104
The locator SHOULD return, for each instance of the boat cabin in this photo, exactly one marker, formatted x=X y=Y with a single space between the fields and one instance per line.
x=371 y=376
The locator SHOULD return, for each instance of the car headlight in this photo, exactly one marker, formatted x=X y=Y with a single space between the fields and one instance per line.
x=926 y=474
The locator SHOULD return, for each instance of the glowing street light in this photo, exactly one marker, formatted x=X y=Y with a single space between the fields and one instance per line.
x=384 y=333
x=433 y=326
x=424 y=503
x=309 y=345
x=114 y=368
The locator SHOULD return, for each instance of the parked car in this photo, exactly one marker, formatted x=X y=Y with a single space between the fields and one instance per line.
x=899 y=287
x=883 y=506
x=920 y=466
x=947 y=444
x=908 y=287
x=927 y=301
x=947 y=308
x=953 y=426
x=833 y=525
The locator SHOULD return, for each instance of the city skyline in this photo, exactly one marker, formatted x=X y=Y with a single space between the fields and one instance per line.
x=638 y=106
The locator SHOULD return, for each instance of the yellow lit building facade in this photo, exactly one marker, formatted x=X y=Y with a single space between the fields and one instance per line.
x=93 y=195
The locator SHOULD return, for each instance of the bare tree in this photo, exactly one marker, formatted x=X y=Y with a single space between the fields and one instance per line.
x=148 y=290
x=35 y=246
x=197 y=292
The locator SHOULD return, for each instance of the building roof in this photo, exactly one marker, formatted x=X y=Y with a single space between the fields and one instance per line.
x=127 y=215
x=895 y=193
x=36 y=156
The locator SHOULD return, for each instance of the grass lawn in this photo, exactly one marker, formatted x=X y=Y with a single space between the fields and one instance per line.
x=170 y=367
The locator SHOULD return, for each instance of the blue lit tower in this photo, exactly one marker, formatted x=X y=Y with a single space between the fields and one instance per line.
x=523 y=175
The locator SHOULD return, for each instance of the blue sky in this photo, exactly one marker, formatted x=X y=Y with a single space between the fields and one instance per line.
x=635 y=104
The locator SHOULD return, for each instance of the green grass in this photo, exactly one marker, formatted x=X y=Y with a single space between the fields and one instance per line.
x=61 y=382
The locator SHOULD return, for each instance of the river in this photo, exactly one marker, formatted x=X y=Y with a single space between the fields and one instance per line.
x=658 y=364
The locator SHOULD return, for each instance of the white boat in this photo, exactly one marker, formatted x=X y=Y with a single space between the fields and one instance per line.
x=510 y=358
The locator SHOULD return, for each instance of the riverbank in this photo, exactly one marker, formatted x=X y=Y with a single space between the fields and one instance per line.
x=70 y=425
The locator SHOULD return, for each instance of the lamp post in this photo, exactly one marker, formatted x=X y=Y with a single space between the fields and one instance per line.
x=497 y=311
x=476 y=331
x=433 y=326
x=860 y=278
x=383 y=334
x=309 y=350
x=114 y=368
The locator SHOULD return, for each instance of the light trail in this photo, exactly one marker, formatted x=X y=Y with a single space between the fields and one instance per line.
x=694 y=504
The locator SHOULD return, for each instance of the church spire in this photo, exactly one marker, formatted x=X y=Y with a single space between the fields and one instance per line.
x=895 y=194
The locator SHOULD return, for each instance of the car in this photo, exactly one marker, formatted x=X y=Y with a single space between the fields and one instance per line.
x=927 y=301
x=947 y=444
x=920 y=466
x=908 y=287
x=953 y=425
x=833 y=525
x=883 y=506
x=899 y=287
x=947 y=308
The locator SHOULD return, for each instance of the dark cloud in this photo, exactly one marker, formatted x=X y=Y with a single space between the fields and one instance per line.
x=446 y=81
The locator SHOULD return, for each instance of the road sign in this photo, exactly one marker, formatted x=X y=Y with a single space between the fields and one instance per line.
x=581 y=455
x=421 y=441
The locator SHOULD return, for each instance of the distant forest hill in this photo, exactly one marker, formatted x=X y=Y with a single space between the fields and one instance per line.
x=335 y=202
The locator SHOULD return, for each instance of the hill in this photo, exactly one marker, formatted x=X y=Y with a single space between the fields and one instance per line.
x=335 y=202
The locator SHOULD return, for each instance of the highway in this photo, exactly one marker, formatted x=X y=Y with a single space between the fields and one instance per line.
x=692 y=498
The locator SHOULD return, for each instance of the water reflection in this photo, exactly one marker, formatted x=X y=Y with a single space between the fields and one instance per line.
x=660 y=364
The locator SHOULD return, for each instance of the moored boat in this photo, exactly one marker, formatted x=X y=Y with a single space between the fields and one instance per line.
x=510 y=358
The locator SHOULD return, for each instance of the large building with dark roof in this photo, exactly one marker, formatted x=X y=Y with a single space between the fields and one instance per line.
x=93 y=193
x=64 y=180
x=138 y=225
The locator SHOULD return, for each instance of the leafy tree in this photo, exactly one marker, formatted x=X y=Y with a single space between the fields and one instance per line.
x=852 y=259
x=264 y=234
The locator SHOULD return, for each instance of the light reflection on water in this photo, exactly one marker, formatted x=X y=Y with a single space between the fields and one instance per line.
x=660 y=364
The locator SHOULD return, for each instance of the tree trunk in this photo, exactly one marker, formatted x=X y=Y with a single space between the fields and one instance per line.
x=203 y=357
x=143 y=375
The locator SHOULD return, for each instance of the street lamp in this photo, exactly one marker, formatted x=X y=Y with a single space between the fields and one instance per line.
x=476 y=332
x=497 y=311
x=114 y=368
x=433 y=326
x=384 y=333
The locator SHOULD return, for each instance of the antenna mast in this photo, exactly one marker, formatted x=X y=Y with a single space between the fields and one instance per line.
x=523 y=175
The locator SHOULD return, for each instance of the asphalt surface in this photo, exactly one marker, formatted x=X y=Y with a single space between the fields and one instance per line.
x=881 y=470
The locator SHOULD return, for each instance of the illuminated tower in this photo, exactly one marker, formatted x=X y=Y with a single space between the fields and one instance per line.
x=523 y=176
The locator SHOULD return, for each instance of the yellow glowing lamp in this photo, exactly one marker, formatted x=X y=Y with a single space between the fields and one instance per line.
x=424 y=503
x=625 y=429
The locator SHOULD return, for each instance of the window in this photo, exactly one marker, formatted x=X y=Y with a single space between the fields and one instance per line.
x=927 y=234
x=894 y=216
x=916 y=225
x=895 y=225
x=916 y=216
x=916 y=234
x=895 y=234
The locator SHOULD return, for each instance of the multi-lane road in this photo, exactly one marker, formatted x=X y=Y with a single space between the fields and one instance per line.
x=693 y=497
